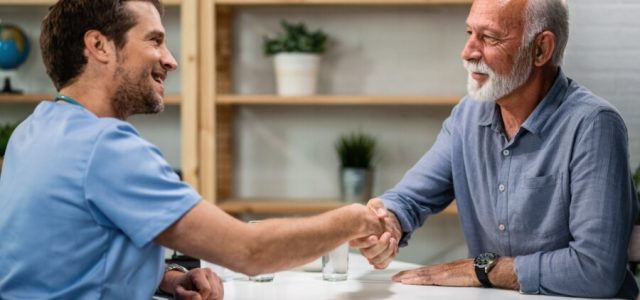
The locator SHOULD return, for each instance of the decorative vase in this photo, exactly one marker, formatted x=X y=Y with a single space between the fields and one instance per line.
x=296 y=73
x=356 y=184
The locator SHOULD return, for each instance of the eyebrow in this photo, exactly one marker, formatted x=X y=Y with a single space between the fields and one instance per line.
x=155 y=34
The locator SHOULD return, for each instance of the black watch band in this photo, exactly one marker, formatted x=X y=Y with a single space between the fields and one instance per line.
x=483 y=277
x=482 y=264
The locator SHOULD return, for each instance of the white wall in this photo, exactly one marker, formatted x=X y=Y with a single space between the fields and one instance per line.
x=288 y=151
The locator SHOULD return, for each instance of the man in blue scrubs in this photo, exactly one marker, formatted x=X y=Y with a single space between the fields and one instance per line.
x=538 y=165
x=86 y=203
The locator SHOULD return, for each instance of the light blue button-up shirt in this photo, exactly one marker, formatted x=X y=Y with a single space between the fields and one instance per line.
x=558 y=196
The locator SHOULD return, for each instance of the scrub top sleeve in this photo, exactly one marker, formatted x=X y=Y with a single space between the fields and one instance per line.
x=130 y=186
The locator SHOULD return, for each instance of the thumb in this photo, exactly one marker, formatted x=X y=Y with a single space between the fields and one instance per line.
x=377 y=206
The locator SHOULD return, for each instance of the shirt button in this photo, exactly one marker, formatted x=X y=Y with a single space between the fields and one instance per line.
x=501 y=188
x=502 y=227
x=505 y=152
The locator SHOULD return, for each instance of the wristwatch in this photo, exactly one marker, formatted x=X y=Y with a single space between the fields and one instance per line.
x=175 y=267
x=483 y=264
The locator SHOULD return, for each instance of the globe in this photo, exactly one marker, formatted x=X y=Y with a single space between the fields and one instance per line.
x=14 y=47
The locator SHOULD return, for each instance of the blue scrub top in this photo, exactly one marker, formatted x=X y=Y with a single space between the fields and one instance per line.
x=81 y=200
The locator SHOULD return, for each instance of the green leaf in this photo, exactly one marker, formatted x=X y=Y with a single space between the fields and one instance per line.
x=5 y=133
x=295 y=38
x=356 y=149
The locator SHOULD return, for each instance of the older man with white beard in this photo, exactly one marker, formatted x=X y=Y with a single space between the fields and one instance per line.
x=538 y=166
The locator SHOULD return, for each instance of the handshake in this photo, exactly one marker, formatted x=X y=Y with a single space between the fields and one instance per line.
x=380 y=244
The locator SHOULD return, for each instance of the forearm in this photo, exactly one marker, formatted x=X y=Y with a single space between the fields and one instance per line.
x=285 y=243
x=207 y=232
x=503 y=274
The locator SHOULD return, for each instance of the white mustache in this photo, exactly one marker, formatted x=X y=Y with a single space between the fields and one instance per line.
x=477 y=67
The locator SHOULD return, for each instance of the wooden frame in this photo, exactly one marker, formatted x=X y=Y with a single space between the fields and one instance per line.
x=217 y=102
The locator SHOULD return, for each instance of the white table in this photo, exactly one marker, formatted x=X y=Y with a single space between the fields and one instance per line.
x=363 y=283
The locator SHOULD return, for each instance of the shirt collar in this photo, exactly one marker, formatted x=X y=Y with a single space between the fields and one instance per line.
x=543 y=111
x=540 y=114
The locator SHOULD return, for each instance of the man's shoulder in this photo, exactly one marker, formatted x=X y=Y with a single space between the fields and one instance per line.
x=584 y=103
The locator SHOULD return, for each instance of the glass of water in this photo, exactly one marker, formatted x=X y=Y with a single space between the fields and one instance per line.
x=335 y=264
x=262 y=277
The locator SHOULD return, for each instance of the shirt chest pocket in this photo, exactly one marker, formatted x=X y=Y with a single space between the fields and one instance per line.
x=538 y=182
x=539 y=208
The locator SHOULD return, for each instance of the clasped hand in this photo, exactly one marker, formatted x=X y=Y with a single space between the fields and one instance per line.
x=381 y=250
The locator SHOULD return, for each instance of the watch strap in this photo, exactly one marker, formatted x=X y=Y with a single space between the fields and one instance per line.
x=175 y=267
x=483 y=277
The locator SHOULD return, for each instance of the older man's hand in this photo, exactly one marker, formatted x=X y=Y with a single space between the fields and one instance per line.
x=456 y=273
x=197 y=284
x=380 y=250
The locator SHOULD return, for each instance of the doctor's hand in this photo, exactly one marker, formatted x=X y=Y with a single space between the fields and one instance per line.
x=197 y=284
x=380 y=250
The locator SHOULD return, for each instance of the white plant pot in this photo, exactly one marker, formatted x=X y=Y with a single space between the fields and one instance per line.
x=296 y=73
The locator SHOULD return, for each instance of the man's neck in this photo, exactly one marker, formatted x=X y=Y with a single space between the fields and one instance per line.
x=93 y=98
x=516 y=107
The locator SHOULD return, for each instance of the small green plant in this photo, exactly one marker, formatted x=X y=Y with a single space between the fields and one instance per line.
x=5 y=133
x=296 y=38
x=356 y=150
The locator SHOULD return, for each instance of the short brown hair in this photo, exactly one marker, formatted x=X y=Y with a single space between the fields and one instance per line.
x=63 y=29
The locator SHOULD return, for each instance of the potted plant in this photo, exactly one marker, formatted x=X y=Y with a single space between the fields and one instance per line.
x=356 y=151
x=296 y=58
x=5 y=133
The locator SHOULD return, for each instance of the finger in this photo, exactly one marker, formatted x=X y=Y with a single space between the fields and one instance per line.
x=200 y=280
x=384 y=259
x=182 y=293
x=379 y=247
x=217 y=288
x=377 y=206
x=364 y=242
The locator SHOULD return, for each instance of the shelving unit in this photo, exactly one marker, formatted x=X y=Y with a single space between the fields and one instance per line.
x=50 y=2
x=35 y=98
x=188 y=97
x=218 y=102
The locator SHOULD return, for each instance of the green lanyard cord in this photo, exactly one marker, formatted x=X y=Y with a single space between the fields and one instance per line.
x=68 y=100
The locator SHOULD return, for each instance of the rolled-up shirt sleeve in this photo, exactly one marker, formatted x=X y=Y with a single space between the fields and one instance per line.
x=602 y=209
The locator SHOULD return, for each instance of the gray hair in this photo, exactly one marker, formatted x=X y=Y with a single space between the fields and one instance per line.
x=551 y=15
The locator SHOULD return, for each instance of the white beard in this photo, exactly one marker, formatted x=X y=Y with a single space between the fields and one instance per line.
x=498 y=86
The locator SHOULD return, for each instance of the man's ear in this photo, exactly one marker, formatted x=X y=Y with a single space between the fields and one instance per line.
x=98 y=46
x=544 y=45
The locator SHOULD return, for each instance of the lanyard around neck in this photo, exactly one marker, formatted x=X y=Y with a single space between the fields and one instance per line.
x=68 y=100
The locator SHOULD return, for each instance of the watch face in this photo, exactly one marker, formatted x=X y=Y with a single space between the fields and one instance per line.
x=485 y=259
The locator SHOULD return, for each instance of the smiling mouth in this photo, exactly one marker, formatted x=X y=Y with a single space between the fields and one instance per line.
x=159 y=77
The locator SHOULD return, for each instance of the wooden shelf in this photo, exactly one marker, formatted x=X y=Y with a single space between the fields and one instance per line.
x=24 y=98
x=342 y=2
x=292 y=206
x=36 y=98
x=278 y=206
x=51 y=2
x=337 y=100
